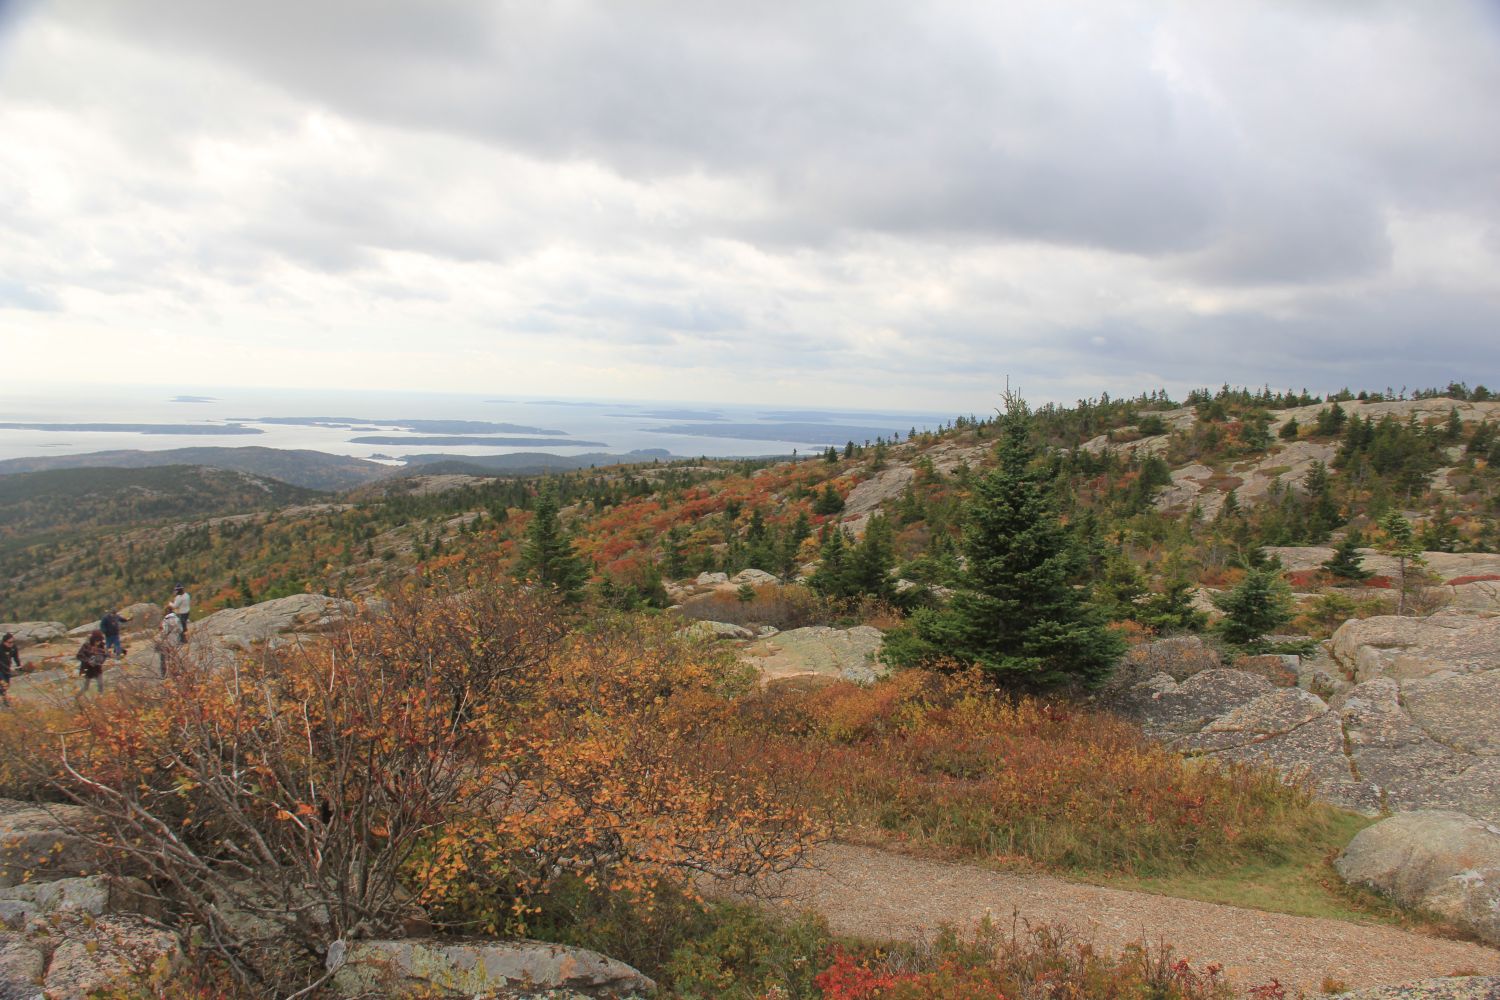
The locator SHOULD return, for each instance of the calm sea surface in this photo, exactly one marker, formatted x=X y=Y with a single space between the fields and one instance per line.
x=706 y=429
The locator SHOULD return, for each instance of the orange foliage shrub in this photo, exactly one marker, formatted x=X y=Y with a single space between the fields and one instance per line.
x=943 y=760
x=450 y=759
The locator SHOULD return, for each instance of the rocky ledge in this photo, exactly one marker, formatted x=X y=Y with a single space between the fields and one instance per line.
x=1416 y=730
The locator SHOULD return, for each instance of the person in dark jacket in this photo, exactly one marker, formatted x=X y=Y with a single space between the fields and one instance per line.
x=10 y=661
x=110 y=625
x=91 y=657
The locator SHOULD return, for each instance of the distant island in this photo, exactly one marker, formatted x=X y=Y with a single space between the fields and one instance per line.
x=443 y=441
x=805 y=433
x=136 y=428
x=193 y=399
x=406 y=424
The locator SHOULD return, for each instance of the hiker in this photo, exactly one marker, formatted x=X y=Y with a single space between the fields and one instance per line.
x=181 y=604
x=110 y=626
x=10 y=656
x=168 y=639
x=91 y=657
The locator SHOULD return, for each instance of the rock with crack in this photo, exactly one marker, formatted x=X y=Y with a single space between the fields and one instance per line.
x=1444 y=862
x=1166 y=708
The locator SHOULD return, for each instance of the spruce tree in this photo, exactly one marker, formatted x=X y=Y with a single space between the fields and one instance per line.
x=1261 y=603
x=1015 y=611
x=1401 y=542
x=828 y=501
x=547 y=554
x=1346 y=563
x=871 y=562
x=833 y=575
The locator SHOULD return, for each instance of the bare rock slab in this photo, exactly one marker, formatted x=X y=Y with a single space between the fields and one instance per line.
x=482 y=968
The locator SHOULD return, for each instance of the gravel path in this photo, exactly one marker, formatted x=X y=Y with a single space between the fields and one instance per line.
x=877 y=894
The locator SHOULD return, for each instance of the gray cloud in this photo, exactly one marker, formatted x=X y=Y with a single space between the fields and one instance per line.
x=909 y=195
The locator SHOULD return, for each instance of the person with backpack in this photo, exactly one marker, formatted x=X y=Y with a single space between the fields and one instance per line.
x=10 y=657
x=91 y=657
x=110 y=625
x=168 y=640
x=181 y=604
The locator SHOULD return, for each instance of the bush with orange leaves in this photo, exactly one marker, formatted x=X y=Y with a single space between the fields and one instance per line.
x=945 y=761
x=447 y=761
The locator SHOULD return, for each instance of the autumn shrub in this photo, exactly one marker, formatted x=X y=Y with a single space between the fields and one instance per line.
x=782 y=606
x=943 y=761
x=450 y=761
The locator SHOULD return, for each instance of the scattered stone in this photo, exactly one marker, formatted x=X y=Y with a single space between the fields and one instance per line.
x=482 y=967
x=1444 y=862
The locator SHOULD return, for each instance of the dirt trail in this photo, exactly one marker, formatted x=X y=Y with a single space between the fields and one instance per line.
x=872 y=893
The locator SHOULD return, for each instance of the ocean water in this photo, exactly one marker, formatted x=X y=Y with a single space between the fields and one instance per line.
x=158 y=418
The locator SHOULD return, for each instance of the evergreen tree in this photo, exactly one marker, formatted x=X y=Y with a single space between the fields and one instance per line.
x=1288 y=430
x=871 y=561
x=1016 y=612
x=1453 y=430
x=1322 y=512
x=834 y=575
x=1261 y=603
x=1401 y=542
x=828 y=502
x=1172 y=610
x=1346 y=563
x=547 y=554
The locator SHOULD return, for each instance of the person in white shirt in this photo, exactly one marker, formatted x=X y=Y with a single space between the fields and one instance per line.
x=168 y=639
x=181 y=605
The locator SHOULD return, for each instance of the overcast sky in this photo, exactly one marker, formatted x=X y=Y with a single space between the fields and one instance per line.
x=853 y=203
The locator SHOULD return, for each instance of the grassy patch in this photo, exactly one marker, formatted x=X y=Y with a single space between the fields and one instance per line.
x=1299 y=880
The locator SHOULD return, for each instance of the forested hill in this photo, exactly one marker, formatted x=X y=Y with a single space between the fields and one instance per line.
x=313 y=470
x=1156 y=492
x=68 y=501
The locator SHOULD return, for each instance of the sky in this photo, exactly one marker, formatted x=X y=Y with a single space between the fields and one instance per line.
x=848 y=202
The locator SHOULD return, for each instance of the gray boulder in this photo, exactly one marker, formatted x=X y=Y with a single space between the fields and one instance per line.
x=717 y=630
x=480 y=968
x=300 y=613
x=710 y=579
x=33 y=633
x=1445 y=862
x=753 y=577
x=1165 y=707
